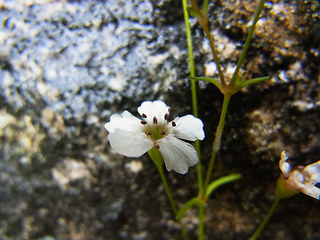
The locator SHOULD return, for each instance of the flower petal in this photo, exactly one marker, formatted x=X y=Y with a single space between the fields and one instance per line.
x=156 y=109
x=129 y=143
x=177 y=154
x=312 y=172
x=283 y=165
x=124 y=121
x=311 y=191
x=189 y=128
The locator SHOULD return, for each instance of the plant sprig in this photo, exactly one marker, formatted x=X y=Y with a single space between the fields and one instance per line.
x=235 y=84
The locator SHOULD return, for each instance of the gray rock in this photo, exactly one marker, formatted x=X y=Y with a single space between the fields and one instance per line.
x=65 y=67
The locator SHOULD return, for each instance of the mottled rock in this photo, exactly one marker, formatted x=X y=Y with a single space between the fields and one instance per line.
x=66 y=66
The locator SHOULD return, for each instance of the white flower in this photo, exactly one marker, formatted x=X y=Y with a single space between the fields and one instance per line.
x=299 y=179
x=132 y=137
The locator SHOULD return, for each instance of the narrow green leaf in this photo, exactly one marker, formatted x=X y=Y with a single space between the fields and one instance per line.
x=210 y=80
x=253 y=81
x=221 y=181
x=186 y=207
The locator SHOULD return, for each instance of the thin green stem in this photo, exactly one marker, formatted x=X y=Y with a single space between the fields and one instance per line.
x=167 y=189
x=171 y=200
x=193 y=89
x=157 y=159
x=205 y=6
x=203 y=21
x=214 y=52
x=195 y=5
x=265 y=220
x=191 y=58
x=248 y=40
x=201 y=221
x=217 y=140
x=195 y=113
x=199 y=168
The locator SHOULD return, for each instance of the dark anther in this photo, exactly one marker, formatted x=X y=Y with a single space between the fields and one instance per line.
x=155 y=120
x=163 y=133
x=149 y=133
x=143 y=115
x=166 y=116
x=143 y=122
x=173 y=124
x=157 y=146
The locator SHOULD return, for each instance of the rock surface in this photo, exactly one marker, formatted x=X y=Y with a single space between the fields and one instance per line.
x=66 y=66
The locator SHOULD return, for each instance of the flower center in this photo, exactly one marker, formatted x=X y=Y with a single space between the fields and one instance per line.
x=156 y=129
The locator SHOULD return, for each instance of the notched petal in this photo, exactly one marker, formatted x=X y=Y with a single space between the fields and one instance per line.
x=129 y=144
x=298 y=180
x=125 y=121
x=156 y=109
x=177 y=154
x=284 y=166
x=188 y=128
x=312 y=172
x=311 y=191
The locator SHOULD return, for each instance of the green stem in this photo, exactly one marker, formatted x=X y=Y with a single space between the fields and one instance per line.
x=203 y=21
x=191 y=59
x=205 y=6
x=248 y=40
x=193 y=89
x=265 y=220
x=217 y=140
x=215 y=55
x=201 y=221
x=195 y=113
x=171 y=200
x=167 y=189
x=157 y=159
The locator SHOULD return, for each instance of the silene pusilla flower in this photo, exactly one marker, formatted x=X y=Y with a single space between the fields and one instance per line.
x=132 y=137
x=298 y=179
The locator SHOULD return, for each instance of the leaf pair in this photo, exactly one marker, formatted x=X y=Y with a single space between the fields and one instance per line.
x=239 y=83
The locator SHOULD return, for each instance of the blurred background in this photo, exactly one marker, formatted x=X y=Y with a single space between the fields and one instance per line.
x=66 y=66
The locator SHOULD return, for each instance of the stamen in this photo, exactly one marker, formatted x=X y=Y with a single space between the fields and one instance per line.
x=143 y=115
x=157 y=146
x=173 y=124
x=169 y=109
x=166 y=116
x=143 y=122
x=163 y=133
x=149 y=133
x=155 y=120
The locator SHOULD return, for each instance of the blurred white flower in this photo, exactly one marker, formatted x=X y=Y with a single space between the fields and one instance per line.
x=132 y=137
x=299 y=179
